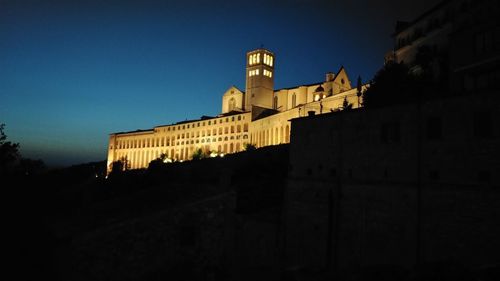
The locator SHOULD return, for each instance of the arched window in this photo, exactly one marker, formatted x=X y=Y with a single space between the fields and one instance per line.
x=231 y=104
x=294 y=100
x=275 y=103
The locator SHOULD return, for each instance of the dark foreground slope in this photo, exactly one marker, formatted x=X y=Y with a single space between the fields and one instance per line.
x=214 y=218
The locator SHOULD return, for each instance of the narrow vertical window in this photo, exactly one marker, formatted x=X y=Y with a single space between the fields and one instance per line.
x=231 y=104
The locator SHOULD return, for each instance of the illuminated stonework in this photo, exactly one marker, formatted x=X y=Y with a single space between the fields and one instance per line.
x=259 y=116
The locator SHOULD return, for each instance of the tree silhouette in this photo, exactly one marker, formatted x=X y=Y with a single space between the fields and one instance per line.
x=119 y=166
x=393 y=84
x=359 y=92
x=9 y=153
x=346 y=105
x=249 y=146
x=158 y=162
x=200 y=154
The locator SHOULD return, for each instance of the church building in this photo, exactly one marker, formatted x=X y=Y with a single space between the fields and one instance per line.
x=260 y=116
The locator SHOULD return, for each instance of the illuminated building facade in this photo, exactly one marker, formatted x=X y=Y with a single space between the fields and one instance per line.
x=258 y=116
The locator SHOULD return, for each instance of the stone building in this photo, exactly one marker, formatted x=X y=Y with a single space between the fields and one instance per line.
x=259 y=115
x=457 y=40
x=396 y=186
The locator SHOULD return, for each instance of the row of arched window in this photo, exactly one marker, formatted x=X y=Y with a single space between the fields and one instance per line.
x=141 y=158
x=255 y=59
x=167 y=141
x=268 y=59
x=294 y=101
x=208 y=140
x=201 y=123
x=272 y=136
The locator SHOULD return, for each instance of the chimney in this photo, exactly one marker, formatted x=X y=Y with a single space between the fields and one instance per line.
x=330 y=76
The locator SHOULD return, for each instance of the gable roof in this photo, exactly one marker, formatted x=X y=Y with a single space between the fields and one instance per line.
x=233 y=87
x=342 y=68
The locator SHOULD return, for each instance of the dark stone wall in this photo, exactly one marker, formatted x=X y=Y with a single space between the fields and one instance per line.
x=354 y=179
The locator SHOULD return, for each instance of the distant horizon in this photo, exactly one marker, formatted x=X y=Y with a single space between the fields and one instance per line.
x=74 y=72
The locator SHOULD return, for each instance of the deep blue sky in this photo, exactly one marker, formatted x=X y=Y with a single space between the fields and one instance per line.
x=71 y=72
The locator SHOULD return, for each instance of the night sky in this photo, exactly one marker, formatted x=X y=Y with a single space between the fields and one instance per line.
x=71 y=72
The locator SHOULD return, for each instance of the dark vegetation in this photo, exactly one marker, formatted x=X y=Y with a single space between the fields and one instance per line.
x=52 y=208
x=398 y=83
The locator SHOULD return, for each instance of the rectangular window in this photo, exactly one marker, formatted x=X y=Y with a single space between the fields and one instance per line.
x=434 y=175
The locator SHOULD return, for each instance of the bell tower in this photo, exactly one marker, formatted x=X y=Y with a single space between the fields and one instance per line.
x=259 y=87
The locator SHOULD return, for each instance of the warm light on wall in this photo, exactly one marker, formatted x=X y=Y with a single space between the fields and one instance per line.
x=253 y=72
x=268 y=73
x=254 y=59
x=268 y=59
